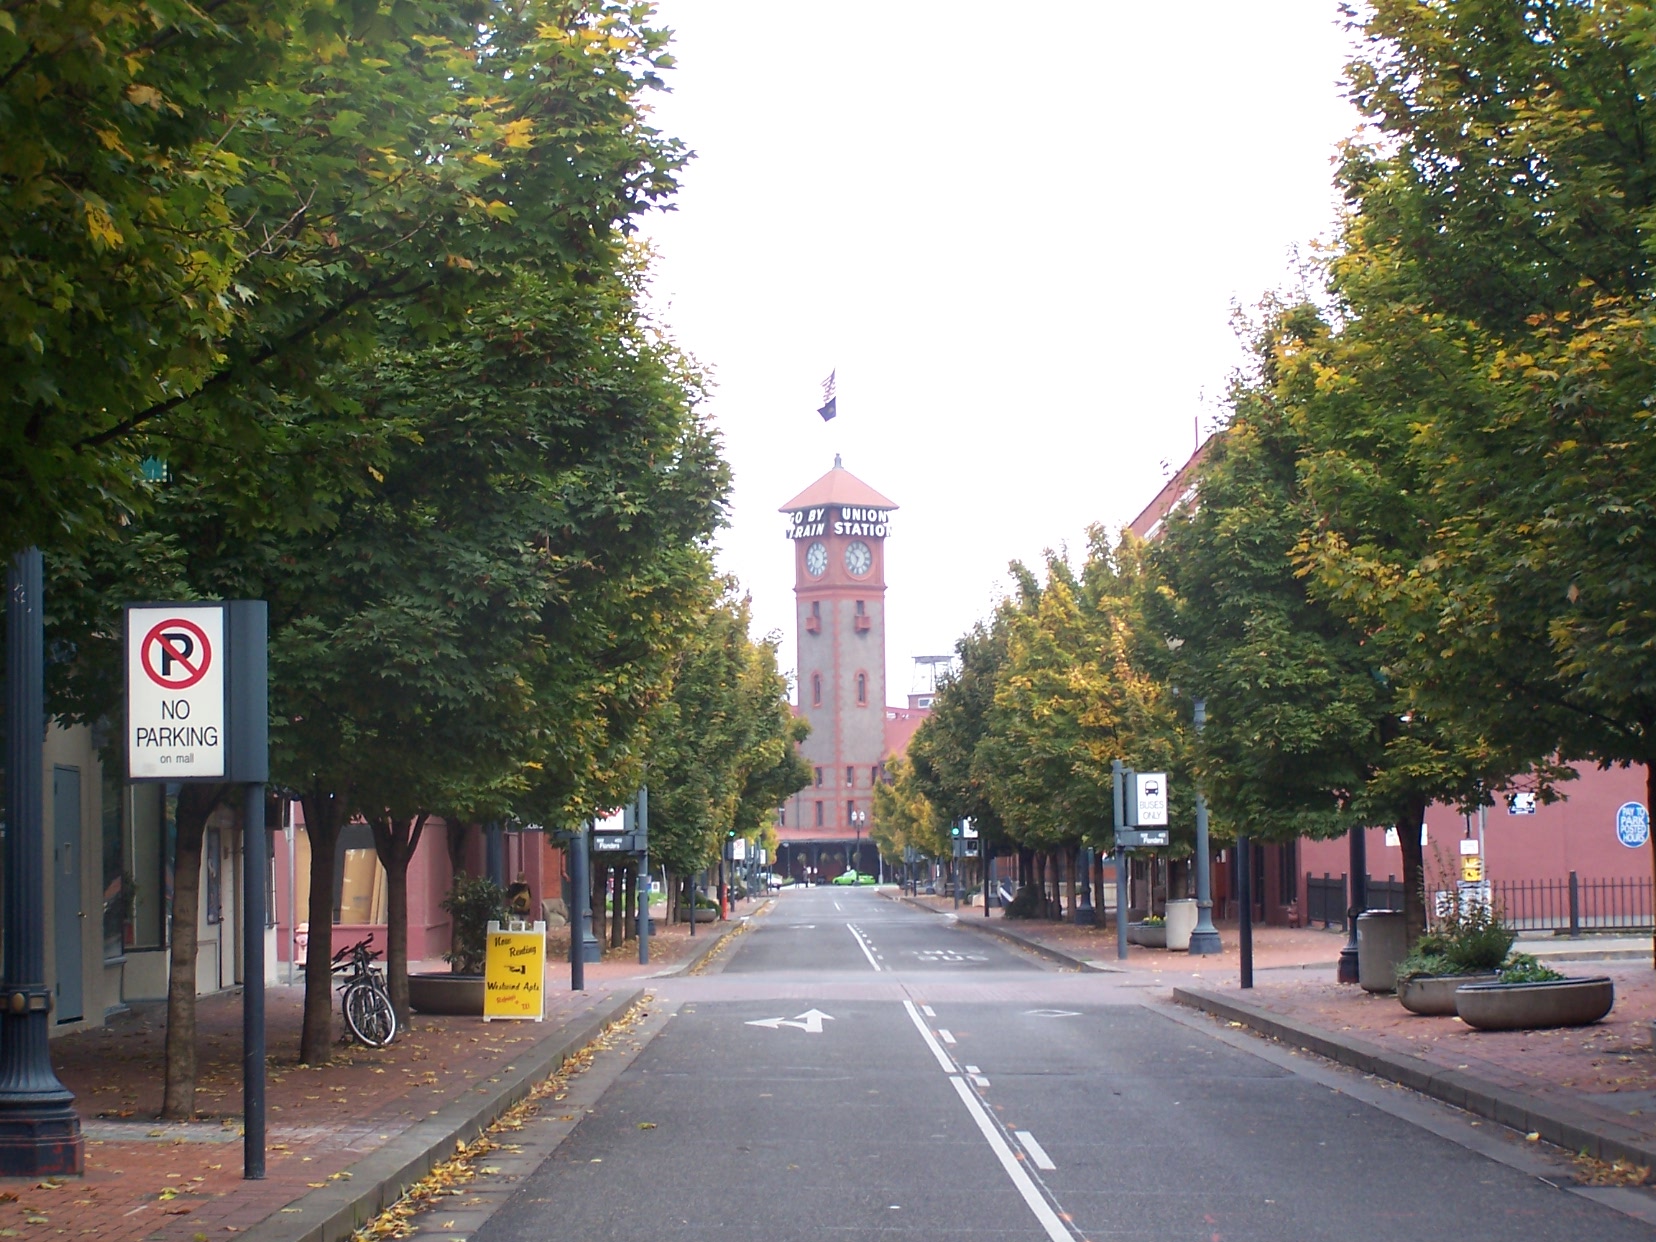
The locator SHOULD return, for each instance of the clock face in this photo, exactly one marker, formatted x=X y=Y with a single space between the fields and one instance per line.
x=858 y=559
x=816 y=559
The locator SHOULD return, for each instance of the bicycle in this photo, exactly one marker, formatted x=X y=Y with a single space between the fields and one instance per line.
x=365 y=1003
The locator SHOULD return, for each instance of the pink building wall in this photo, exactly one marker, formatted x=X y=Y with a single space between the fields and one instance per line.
x=1577 y=834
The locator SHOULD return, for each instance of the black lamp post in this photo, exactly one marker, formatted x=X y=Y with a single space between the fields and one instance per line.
x=1205 y=938
x=40 y=1132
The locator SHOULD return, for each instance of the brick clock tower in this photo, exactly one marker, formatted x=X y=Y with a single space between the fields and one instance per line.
x=838 y=527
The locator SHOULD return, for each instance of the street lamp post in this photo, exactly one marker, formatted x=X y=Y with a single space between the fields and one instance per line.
x=1205 y=938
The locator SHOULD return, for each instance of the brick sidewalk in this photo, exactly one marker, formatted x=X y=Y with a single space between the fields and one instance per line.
x=181 y=1182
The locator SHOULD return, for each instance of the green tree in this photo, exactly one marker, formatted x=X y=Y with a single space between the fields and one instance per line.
x=216 y=204
x=903 y=817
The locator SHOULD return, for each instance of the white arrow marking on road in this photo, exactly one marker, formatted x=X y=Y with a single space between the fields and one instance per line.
x=1051 y=1013
x=810 y=1021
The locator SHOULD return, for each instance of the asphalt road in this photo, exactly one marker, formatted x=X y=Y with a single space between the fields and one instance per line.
x=854 y=1068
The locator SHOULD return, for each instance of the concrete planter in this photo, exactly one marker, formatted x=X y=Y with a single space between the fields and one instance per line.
x=1150 y=935
x=1433 y=996
x=704 y=914
x=446 y=993
x=1534 y=1006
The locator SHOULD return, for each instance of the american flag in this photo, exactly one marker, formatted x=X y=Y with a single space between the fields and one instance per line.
x=828 y=409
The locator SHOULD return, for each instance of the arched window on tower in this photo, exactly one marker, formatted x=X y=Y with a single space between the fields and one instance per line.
x=862 y=689
x=816 y=689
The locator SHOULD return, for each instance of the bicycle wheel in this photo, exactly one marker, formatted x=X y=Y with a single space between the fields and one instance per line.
x=369 y=1014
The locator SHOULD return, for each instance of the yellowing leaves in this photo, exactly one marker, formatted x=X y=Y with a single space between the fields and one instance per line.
x=519 y=135
x=101 y=225
x=145 y=96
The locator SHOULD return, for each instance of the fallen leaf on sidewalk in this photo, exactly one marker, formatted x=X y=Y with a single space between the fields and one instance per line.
x=646 y=1125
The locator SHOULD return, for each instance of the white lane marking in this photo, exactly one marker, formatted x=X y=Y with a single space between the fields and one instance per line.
x=810 y=1021
x=928 y=1011
x=1055 y=1228
x=943 y=1058
x=945 y=1036
x=980 y=1080
x=863 y=945
x=1037 y=1153
x=1051 y=1013
x=972 y=1069
x=836 y=905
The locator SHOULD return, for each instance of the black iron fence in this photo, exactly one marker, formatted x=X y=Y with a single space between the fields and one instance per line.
x=1572 y=905
x=1575 y=905
x=1325 y=897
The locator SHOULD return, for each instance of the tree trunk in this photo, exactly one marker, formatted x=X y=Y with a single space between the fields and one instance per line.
x=1070 y=869
x=195 y=804
x=395 y=840
x=1414 y=870
x=324 y=817
x=456 y=843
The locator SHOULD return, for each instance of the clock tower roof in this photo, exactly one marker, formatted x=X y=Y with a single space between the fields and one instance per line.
x=838 y=487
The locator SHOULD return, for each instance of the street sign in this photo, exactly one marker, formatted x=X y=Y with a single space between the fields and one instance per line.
x=1131 y=838
x=514 y=973
x=1146 y=799
x=968 y=830
x=175 y=692
x=1472 y=868
x=1632 y=824
x=1521 y=804
x=612 y=843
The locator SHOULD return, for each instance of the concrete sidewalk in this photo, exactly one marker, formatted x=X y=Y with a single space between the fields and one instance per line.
x=344 y=1139
x=1587 y=1089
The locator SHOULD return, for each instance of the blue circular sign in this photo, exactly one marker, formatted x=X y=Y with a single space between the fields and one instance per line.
x=1632 y=824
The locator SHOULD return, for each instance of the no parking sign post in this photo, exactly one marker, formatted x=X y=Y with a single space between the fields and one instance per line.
x=197 y=696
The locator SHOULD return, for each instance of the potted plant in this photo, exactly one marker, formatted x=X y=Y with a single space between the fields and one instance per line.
x=1150 y=931
x=1529 y=996
x=473 y=902
x=1468 y=945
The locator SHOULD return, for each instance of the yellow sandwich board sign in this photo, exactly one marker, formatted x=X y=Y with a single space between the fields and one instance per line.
x=514 y=973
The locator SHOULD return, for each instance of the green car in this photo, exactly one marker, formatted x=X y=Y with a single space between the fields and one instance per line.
x=851 y=877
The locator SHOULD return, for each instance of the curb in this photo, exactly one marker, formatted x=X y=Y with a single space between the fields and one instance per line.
x=1556 y=1122
x=991 y=928
x=379 y=1179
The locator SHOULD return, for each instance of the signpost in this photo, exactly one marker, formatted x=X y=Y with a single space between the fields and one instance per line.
x=197 y=699
x=514 y=973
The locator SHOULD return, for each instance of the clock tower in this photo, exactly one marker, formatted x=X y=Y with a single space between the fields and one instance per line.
x=838 y=527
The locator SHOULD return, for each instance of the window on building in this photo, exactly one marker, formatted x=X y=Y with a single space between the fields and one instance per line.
x=850 y=776
x=850 y=812
x=862 y=689
x=861 y=611
x=819 y=778
x=782 y=816
x=816 y=689
x=816 y=609
x=819 y=814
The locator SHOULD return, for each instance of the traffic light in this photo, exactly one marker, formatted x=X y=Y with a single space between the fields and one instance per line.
x=954 y=829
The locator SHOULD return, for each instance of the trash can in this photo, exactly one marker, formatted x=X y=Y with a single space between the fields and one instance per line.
x=1181 y=921
x=1381 y=945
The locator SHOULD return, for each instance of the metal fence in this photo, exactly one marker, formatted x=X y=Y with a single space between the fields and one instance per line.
x=1325 y=897
x=1575 y=905
x=1572 y=905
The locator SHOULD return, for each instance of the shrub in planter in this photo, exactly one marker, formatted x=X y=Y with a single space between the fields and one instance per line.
x=1468 y=944
x=473 y=902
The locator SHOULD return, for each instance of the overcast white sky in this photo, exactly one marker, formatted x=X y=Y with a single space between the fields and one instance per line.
x=1016 y=233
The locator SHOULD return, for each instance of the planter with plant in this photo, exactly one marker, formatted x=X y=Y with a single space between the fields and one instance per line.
x=1150 y=931
x=1468 y=945
x=1529 y=996
x=473 y=902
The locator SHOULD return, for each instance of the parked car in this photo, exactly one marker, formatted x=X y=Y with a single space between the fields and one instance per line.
x=845 y=877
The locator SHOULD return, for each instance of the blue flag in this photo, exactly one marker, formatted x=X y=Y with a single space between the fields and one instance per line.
x=828 y=408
